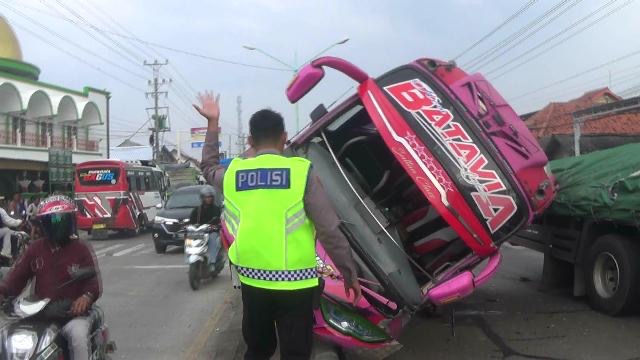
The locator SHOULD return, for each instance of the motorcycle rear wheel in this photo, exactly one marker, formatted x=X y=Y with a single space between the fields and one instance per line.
x=194 y=275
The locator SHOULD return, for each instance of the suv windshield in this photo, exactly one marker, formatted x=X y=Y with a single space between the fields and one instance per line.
x=184 y=199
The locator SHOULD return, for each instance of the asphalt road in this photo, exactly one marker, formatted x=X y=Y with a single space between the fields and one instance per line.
x=153 y=314
x=150 y=308
x=511 y=318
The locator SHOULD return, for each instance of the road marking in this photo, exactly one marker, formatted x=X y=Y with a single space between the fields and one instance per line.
x=156 y=267
x=112 y=247
x=196 y=347
x=145 y=251
x=98 y=246
x=129 y=250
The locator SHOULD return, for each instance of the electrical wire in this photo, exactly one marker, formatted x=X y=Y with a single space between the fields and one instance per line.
x=615 y=78
x=104 y=72
x=514 y=35
x=490 y=57
x=521 y=10
x=579 y=31
x=128 y=57
x=165 y=47
x=37 y=23
x=576 y=75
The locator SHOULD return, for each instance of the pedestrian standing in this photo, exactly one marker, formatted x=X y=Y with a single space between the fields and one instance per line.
x=275 y=207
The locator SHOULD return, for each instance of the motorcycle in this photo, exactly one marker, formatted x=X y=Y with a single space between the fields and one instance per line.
x=202 y=251
x=31 y=328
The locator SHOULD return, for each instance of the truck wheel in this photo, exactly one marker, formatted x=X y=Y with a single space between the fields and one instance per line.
x=613 y=274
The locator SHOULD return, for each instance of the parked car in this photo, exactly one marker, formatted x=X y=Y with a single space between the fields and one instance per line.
x=173 y=216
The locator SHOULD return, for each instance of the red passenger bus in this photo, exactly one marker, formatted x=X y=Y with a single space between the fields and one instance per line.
x=115 y=195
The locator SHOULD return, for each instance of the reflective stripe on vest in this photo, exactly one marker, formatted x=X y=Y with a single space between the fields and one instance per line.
x=274 y=244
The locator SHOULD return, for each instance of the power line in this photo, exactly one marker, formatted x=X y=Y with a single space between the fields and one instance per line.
x=33 y=21
x=579 y=31
x=600 y=79
x=116 y=24
x=90 y=34
x=77 y=57
x=576 y=75
x=100 y=14
x=136 y=56
x=138 y=130
x=515 y=35
x=161 y=46
x=490 y=57
x=521 y=10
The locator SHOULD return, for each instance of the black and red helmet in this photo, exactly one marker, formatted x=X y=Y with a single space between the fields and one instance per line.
x=57 y=217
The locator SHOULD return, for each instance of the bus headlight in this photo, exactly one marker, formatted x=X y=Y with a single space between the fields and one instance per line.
x=351 y=324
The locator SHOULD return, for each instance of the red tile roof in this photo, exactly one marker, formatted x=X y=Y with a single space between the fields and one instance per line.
x=556 y=118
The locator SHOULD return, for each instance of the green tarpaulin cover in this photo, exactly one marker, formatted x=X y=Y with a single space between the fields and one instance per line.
x=603 y=185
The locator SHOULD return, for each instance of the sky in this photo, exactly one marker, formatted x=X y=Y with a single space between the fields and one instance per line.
x=382 y=35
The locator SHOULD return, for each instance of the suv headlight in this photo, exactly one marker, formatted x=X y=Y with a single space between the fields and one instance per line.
x=163 y=220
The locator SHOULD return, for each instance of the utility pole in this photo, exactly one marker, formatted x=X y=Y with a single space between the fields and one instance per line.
x=241 y=137
x=229 y=147
x=159 y=120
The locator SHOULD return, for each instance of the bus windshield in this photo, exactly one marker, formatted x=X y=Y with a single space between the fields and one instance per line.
x=99 y=176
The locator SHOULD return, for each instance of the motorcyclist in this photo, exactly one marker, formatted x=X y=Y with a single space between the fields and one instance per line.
x=52 y=261
x=207 y=212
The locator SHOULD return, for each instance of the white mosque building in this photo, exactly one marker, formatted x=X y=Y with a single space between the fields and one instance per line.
x=36 y=116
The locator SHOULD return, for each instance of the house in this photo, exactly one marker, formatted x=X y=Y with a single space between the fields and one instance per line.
x=606 y=120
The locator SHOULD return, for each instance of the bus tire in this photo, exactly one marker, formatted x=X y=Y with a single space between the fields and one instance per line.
x=613 y=275
x=142 y=223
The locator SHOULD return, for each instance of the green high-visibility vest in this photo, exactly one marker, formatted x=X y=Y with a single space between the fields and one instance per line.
x=274 y=246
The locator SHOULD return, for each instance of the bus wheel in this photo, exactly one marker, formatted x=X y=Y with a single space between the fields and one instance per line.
x=142 y=224
x=613 y=275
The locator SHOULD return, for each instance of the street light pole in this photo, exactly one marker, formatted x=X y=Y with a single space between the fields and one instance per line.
x=295 y=69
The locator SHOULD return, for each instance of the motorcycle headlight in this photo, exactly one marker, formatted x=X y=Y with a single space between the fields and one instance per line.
x=163 y=220
x=194 y=242
x=351 y=324
x=22 y=344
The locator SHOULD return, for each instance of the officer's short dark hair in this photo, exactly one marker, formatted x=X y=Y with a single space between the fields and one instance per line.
x=266 y=126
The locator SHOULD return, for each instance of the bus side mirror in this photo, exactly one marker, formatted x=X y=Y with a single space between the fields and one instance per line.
x=159 y=206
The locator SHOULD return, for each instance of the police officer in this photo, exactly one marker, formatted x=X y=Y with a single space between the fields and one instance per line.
x=275 y=207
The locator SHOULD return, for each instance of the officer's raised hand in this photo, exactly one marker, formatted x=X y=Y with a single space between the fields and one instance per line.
x=209 y=108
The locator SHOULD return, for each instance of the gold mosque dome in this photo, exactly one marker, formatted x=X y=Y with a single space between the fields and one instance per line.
x=11 y=55
x=9 y=45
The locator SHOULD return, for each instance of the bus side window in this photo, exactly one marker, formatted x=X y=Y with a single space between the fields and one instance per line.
x=130 y=183
x=154 y=182
x=147 y=183
x=138 y=183
x=157 y=179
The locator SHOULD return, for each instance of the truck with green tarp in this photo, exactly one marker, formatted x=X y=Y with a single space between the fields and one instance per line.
x=590 y=235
